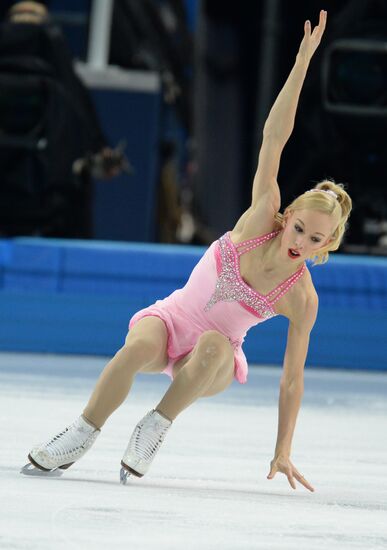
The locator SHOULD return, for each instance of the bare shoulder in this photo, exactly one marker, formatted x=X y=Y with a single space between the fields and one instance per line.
x=257 y=220
x=302 y=307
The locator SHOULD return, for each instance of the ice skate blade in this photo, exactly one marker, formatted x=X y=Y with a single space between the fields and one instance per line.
x=30 y=470
x=130 y=470
x=124 y=474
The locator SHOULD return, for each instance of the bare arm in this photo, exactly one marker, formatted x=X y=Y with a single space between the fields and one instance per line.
x=266 y=196
x=292 y=389
x=280 y=122
x=276 y=132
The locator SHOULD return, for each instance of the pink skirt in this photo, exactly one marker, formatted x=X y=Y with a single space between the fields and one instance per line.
x=183 y=335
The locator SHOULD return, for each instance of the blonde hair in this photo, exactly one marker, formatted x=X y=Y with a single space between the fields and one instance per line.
x=339 y=208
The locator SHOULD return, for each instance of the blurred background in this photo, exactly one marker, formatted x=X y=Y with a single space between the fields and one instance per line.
x=141 y=120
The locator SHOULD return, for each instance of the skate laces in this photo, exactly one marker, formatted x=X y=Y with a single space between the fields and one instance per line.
x=74 y=439
x=149 y=434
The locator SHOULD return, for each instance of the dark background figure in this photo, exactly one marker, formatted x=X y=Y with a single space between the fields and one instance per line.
x=169 y=204
x=47 y=123
x=154 y=35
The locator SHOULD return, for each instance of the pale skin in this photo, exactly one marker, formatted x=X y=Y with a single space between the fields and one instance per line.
x=209 y=368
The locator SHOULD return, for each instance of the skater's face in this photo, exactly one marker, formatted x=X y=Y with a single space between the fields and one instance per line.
x=306 y=231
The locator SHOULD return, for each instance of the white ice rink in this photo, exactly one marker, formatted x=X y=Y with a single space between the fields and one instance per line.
x=207 y=488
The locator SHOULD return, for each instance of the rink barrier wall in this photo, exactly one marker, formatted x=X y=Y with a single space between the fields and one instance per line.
x=76 y=297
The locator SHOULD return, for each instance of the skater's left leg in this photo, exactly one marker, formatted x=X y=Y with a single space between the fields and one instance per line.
x=208 y=371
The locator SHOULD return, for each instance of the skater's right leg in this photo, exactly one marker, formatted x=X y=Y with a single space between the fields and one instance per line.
x=145 y=350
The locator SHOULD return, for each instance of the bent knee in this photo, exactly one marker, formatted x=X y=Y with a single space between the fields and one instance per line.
x=213 y=349
x=144 y=349
x=214 y=343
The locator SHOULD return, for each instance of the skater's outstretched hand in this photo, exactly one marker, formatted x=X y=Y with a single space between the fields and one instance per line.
x=285 y=466
x=311 y=40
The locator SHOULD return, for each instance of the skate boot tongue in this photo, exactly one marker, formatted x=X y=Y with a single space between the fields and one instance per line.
x=66 y=447
x=146 y=440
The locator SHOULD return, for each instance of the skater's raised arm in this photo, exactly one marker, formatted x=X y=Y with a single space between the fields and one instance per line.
x=280 y=122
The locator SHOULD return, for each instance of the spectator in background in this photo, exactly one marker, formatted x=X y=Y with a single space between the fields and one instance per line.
x=154 y=35
x=46 y=189
x=169 y=208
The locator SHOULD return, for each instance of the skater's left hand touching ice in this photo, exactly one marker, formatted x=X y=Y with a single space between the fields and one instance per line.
x=285 y=466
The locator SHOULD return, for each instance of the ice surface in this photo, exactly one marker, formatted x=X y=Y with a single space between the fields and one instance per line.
x=207 y=488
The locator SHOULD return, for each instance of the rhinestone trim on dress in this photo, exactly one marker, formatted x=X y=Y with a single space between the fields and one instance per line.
x=231 y=287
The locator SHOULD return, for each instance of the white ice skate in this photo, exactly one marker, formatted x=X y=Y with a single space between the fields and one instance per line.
x=143 y=445
x=60 y=452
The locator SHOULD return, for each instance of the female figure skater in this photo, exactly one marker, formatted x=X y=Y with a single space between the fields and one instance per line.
x=195 y=334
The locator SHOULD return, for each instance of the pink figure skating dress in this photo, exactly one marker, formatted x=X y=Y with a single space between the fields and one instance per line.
x=216 y=298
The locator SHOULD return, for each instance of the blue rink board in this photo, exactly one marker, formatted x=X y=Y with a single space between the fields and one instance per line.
x=77 y=297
